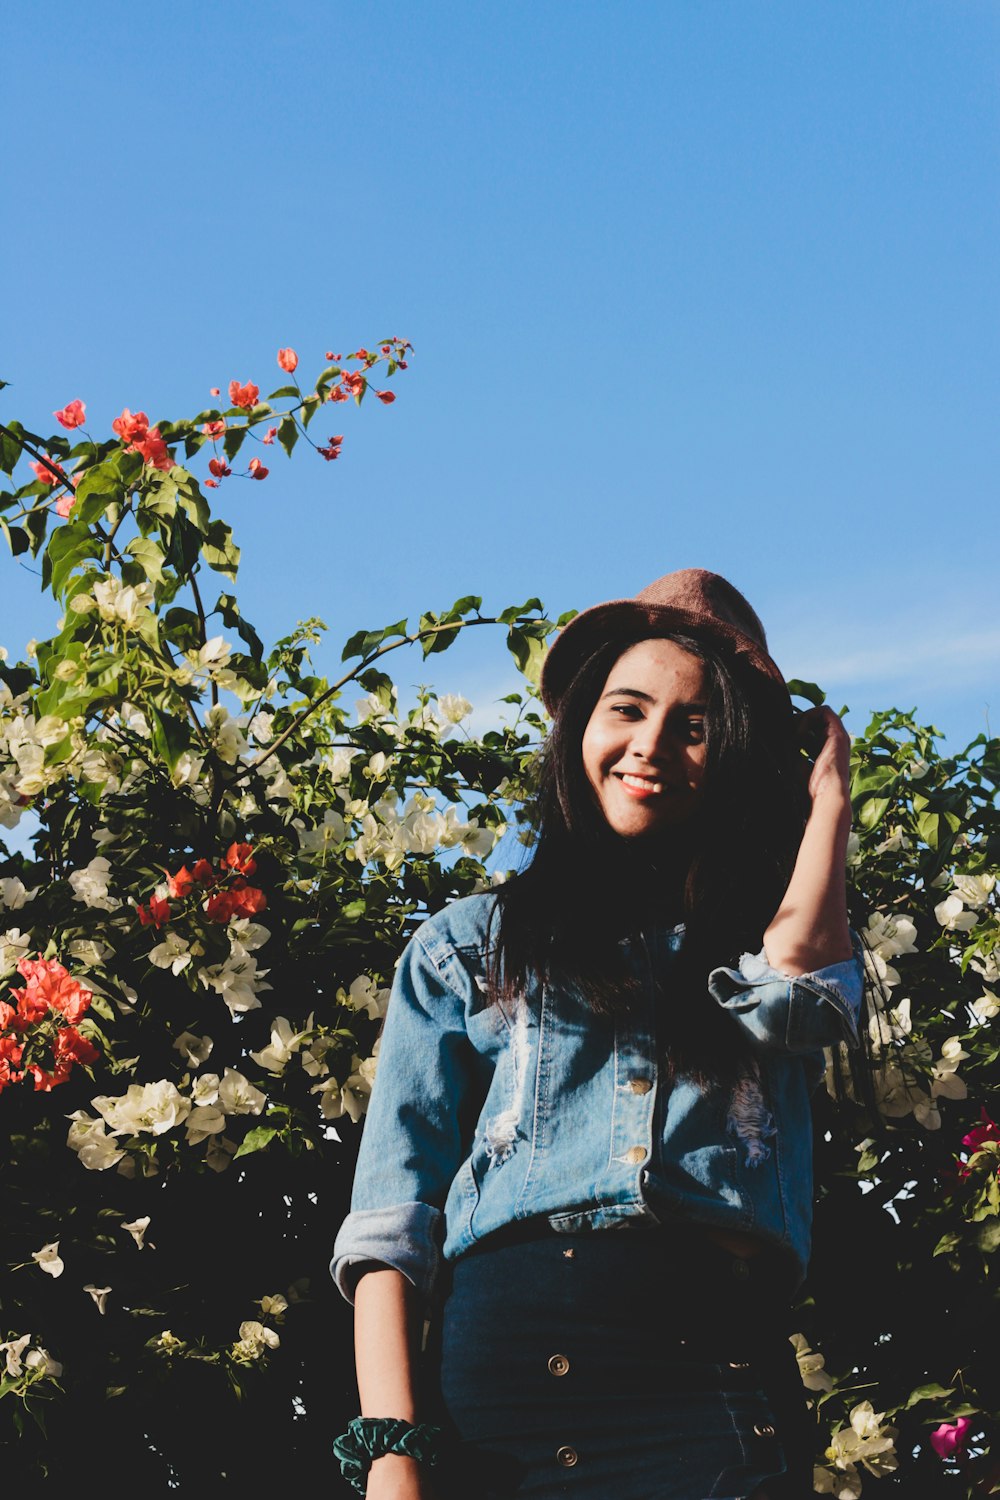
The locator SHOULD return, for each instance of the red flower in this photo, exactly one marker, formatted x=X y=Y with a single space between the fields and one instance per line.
x=257 y=469
x=270 y=435
x=331 y=356
x=219 y=467
x=48 y=1081
x=71 y=415
x=333 y=451
x=288 y=360
x=156 y=913
x=239 y=857
x=73 y=1047
x=353 y=381
x=211 y=484
x=203 y=872
x=131 y=426
x=243 y=395
x=44 y=473
x=214 y=430
x=386 y=397
x=50 y=986
x=247 y=900
x=361 y=354
x=181 y=884
x=153 y=449
x=338 y=394
x=987 y=1130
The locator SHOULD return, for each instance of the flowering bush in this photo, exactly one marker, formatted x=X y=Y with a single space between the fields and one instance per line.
x=226 y=853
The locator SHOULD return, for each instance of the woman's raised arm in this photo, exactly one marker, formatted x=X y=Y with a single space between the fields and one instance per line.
x=810 y=930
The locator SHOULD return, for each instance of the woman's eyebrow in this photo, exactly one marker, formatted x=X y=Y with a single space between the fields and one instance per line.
x=627 y=692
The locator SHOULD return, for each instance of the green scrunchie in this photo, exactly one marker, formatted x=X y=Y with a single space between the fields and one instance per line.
x=368 y=1438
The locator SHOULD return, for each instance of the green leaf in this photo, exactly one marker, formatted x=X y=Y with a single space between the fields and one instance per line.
x=228 y=608
x=515 y=611
x=220 y=551
x=283 y=392
x=288 y=435
x=17 y=538
x=807 y=690
x=149 y=555
x=528 y=650
x=310 y=407
x=256 y=1139
x=232 y=440
x=364 y=642
x=466 y=604
x=873 y=811
x=171 y=736
x=931 y=1392
x=68 y=546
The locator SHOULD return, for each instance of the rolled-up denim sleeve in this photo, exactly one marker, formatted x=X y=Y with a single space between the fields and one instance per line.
x=793 y=1013
x=411 y=1146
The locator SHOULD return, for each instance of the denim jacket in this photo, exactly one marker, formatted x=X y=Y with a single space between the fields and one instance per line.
x=483 y=1115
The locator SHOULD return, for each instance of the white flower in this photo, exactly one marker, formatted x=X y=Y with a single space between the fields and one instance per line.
x=974 y=890
x=150 y=1107
x=41 y=1359
x=47 y=1259
x=284 y=1042
x=986 y=1007
x=225 y=734
x=137 y=1229
x=338 y=763
x=477 y=841
x=237 y=980
x=205 y=1120
x=174 y=953
x=895 y=842
x=194 y=1049
x=952 y=915
x=13 y=894
x=89 y=1139
x=254 y=1339
x=351 y=1098
x=188 y=769
x=814 y=1377
x=453 y=707
x=917 y=768
x=237 y=1095
x=205 y=1089
x=251 y=935
x=364 y=995
x=90 y=952
x=261 y=726
x=319 y=840
x=13 y=1349
x=273 y=1307
x=890 y=935
x=99 y=1294
x=117 y=603
x=90 y=885
x=13 y=946
x=213 y=656
x=987 y=966
x=219 y=1152
x=890 y=1025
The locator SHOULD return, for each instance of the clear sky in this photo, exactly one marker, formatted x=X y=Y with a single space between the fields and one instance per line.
x=690 y=283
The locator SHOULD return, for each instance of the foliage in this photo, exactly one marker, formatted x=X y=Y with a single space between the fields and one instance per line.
x=228 y=852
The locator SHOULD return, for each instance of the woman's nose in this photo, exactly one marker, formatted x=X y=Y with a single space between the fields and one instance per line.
x=651 y=741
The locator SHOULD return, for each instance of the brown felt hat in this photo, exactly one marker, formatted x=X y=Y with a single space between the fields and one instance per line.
x=690 y=599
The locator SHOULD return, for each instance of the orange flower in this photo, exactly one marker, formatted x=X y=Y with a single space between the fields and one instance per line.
x=71 y=415
x=239 y=857
x=50 y=986
x=257 y=469
x=338 y=394
x=288 y=360
x=333 y=451
x=181 y=884
x=243 y=395
x=155 y=914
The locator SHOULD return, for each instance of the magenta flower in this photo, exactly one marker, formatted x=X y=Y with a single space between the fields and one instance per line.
x=951 y=1440
x=988 y=1130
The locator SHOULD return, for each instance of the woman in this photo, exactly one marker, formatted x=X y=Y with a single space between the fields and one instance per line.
x=586 y=1050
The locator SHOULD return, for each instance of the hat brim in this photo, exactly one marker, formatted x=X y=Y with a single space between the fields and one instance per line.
x=589 y=630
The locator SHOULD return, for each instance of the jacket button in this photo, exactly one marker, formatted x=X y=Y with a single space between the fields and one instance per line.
x=763 y=1429
x=635 y=1154
x=558 y=1364
x=739 y=1364
x=567 y=1456
x=640 y=1085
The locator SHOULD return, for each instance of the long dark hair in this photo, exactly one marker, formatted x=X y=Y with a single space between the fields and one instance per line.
x=587 y=888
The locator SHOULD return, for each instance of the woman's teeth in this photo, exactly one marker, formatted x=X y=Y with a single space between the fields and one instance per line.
x=641 y=783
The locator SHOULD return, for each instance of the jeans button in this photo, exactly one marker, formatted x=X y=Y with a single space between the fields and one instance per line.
x=567 y=1456
x=558 y=1364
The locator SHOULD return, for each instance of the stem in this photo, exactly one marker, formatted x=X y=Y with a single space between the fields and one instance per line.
x=406 y=640
x=204 y=629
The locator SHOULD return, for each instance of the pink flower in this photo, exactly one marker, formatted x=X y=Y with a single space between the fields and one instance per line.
x=153 y=449
x=214 y=430
x=270 y=435
x=288 y=360
x=951 y=1440
x=257 y=469
x=987 y=1130
x=65 y=504
x=214 y=391
x=244 y=395
x=44 y=473
x=131 y=426
x=71 y=415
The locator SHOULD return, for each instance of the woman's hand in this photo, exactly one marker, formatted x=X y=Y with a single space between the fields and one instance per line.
x=823 y=736
x=395 y=1477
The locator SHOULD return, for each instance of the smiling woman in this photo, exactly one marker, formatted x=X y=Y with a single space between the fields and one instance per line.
x=624 y=1037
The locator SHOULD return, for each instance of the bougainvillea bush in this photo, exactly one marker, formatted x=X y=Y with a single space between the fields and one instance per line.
x=215 y=857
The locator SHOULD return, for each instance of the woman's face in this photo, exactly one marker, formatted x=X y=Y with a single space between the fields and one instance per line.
x=644 y=744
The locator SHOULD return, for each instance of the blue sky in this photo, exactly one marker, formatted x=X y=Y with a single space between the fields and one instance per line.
x=690 y=283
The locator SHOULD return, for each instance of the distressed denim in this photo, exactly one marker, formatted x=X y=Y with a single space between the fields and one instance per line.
x=485 y=1115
